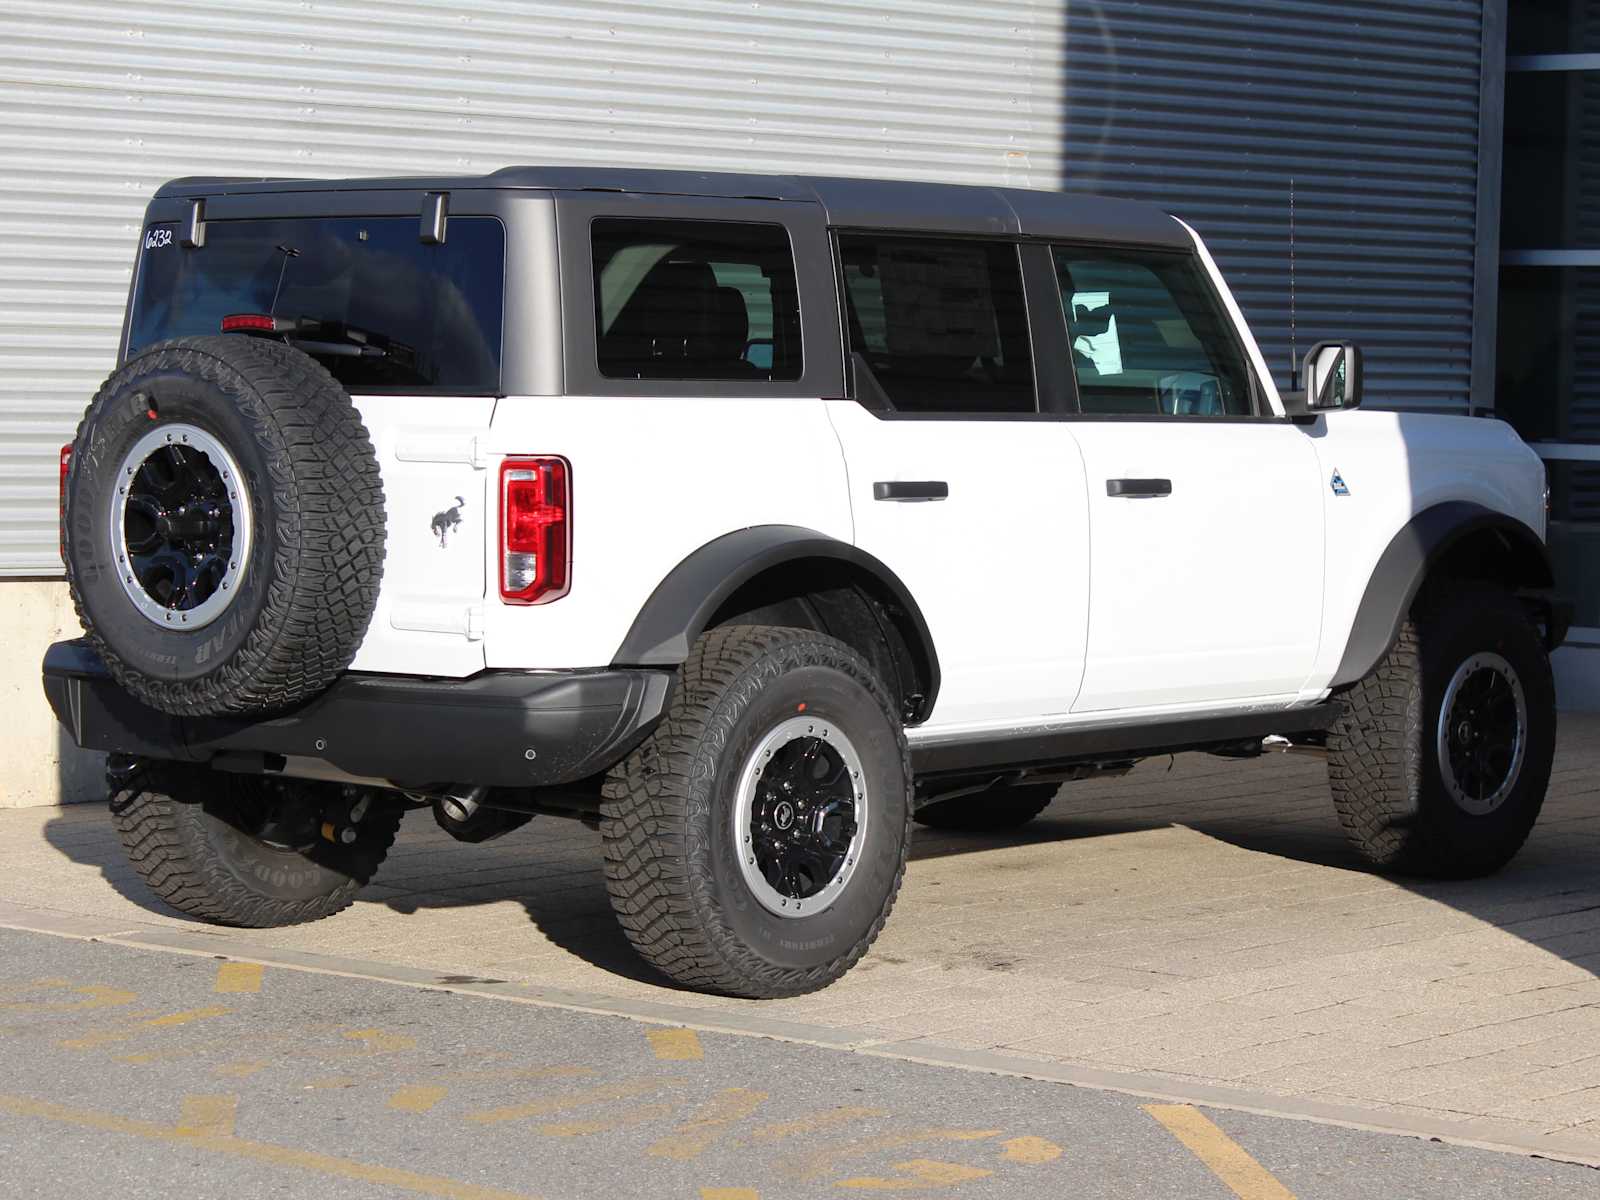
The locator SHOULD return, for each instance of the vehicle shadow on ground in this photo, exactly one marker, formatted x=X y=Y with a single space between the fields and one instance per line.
x=1275 y=806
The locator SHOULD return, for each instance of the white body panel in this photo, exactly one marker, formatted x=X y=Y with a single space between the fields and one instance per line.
x=997 y=569
x=653 y=480
x=1212 y=593
x=433 y=586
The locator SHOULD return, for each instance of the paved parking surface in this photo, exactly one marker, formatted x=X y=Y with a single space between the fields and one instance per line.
x=147 y=1074
x=1198 y=923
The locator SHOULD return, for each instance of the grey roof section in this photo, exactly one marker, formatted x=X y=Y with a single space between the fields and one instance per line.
x=848 y=203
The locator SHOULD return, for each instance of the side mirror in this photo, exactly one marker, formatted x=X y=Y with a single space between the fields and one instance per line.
x=1333 y=376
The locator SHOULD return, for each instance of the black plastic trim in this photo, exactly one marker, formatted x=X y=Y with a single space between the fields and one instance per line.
x=1034 y=749
x=1138 y=488
x=409 y=730
x=1405 y=563
x=905 y=489
x=682 y=605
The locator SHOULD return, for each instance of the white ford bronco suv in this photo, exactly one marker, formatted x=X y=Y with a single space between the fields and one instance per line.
x=752 y=518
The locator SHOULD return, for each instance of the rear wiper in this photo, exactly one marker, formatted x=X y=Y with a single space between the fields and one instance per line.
x=315 y=335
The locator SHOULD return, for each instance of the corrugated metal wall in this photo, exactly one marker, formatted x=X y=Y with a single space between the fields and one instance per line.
x=1207 y=108
x=105 y=100
x=1369 y=106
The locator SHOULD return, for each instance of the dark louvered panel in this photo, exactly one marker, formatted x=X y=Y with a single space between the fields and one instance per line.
x=1371 y=108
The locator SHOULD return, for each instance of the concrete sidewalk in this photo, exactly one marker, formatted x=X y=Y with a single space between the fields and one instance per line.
x=1199 y=920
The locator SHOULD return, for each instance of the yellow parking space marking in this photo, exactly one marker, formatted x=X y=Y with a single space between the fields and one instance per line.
x=105 y=1036
x=381 y=1041
x=675 y=1045
x=96 y=996
x=729 y=1194
x=815 y=1123
x=416 y=1098
x=208 y=1116
x=265 y=1152
x=1034 y=1151
x=711 y=1121
x=578 y=1099
x=822 y=1161
x=642 y=1115
x=918 y=1173
x=1226 y=1159
x=238 y=977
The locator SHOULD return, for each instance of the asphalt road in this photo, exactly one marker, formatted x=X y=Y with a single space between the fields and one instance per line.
x=138 y=1073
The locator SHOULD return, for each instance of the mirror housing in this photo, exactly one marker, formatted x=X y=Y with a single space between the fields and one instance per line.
x=1333 y=375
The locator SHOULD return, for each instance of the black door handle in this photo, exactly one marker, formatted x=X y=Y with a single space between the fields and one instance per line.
x=927 y=489
x=1136 y=488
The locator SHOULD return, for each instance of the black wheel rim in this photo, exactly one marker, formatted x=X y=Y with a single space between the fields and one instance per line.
x=800 y=817
x=180 y=526
x=1483 y=733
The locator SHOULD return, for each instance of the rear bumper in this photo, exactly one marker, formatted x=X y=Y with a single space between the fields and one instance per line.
x=496 y=729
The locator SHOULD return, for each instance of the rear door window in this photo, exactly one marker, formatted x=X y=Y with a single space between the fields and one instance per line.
x=383 y=311
x=1149 y=337
x=938 y=326
x=712 y=300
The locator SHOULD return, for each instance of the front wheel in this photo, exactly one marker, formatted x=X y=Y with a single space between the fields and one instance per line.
x=755 y=842
x=1441 y=759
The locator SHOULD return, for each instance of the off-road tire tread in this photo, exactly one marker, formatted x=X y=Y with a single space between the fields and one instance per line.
x=659 y=883
x=327 y=545
x=168 y=844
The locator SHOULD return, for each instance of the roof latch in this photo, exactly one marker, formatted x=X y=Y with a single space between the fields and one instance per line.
x=435 y=212
x=194 y=228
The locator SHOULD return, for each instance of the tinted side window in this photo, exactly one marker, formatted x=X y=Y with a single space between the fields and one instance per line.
x=1149 y=337
x=695 y=300
x=941 y=325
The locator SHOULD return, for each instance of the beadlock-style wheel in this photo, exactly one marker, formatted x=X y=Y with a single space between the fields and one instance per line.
x=800 y=816
x=1483 y=733
x=180 y=526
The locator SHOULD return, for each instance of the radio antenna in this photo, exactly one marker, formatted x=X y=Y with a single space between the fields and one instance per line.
x=1294 y=348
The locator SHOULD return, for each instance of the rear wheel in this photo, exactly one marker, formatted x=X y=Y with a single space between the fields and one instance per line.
x=247 y=851
x=1441 y=759
x=756 y=841
x=999 y=808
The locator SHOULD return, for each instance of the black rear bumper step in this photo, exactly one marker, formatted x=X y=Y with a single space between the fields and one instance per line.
x=496 y=729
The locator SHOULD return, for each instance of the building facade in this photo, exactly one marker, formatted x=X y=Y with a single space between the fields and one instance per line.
x=1344 y=163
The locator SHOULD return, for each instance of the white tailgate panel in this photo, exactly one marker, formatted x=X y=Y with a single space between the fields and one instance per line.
x=653 y=480
x=428 y=620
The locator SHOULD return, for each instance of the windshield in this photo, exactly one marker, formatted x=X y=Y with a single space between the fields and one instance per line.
x=364 y=296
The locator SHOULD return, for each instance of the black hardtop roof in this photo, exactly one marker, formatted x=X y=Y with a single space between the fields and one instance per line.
x=847 y=203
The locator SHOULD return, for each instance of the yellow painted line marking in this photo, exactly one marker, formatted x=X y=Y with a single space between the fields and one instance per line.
x=208 y=1116
x=691 y=1139
x=729 y=1194
x=505 y=1074
x=918 y=1173
x=642 y=1115
x=238 y=977
x=417 y=1099
x=1034 y=1151
x=815 y=1123
x=266 y=1152
x=381 y=1041
x=90 y=1040
x=675 y=1045
x=96 y=995
x=241 y=1070
x=820 y=1162
x=1226 y=1159
x=555 y=1104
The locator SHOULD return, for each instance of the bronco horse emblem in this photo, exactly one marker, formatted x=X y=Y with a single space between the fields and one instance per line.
x=447 y=522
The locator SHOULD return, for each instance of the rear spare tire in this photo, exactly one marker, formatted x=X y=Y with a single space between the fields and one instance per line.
x=225 y=526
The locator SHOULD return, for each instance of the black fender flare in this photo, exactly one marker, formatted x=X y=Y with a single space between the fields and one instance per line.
x=1415 y=550
x=683 y=604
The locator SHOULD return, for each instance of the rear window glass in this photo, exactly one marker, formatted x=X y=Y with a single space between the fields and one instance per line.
x=695 y=300
x=383 y=311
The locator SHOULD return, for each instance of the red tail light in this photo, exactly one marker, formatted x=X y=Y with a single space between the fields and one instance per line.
x=535 y=530
x=253 y=323
x=66 y=462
